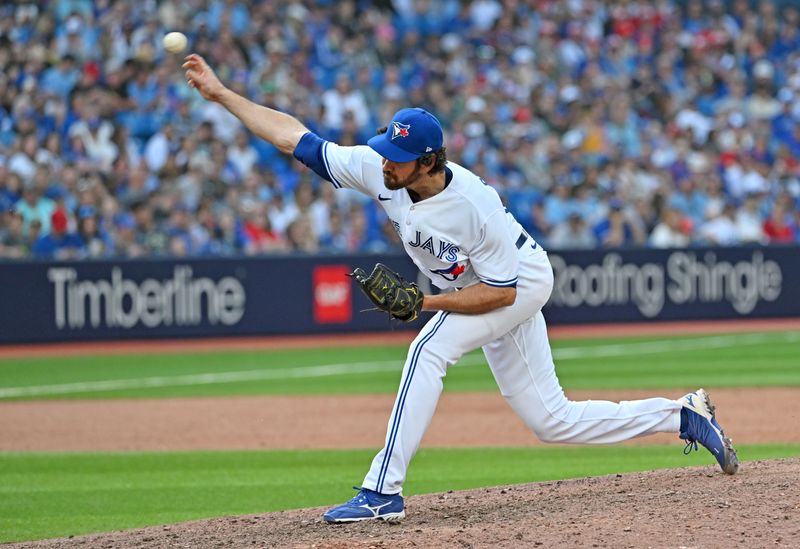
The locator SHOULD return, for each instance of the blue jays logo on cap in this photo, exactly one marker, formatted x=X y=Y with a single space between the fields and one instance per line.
x=400 y=130
x=412 y=133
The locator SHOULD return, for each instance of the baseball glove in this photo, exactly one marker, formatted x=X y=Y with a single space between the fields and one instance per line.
x=390 y=292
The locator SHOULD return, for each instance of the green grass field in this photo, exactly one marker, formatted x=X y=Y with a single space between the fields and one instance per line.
x=48 y=495
x=736 y=360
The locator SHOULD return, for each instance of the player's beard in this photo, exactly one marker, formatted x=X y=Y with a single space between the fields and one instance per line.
x=393 y=184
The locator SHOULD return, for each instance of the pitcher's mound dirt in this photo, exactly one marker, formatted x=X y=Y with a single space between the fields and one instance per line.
x=691 y=507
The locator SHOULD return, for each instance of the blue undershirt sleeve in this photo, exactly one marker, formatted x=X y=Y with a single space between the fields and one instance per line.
x=309 y=151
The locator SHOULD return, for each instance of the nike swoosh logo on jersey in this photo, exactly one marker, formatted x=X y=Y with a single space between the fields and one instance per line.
x=382 y=198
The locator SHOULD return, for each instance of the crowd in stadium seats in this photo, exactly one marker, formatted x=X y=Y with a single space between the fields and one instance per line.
x=602 y=124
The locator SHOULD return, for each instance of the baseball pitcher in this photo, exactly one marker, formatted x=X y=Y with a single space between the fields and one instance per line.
x=456 y=230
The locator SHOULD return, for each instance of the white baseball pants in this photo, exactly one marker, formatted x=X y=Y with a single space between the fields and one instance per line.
x=514 y=341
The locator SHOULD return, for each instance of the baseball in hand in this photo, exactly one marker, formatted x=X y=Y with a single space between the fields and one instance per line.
x=175 y=42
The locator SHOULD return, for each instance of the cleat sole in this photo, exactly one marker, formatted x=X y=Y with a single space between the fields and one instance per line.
x=731 y=459
x=389 y=517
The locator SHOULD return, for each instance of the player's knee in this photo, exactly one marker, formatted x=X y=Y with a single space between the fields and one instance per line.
x=439 y=350
x=550 y=437
x=558 y=429
x=545 y=435
x=431 y=356
x=541 y=420
x=551 y=429
x=539 y=427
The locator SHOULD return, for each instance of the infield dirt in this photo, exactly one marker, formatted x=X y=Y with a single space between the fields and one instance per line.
x=353 y=421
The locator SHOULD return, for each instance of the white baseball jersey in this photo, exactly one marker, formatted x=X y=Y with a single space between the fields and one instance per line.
x=459 y=237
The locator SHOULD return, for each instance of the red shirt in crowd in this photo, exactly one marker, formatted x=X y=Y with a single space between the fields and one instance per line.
x=778 y=232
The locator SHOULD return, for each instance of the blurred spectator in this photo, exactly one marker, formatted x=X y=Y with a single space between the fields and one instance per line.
x=719 y=229
x=13 y=243
x=617 y=230
x=95 y=240
x=61 y=77
x=671 y=231
x=23 y=160
x=335 y=238
x=33 y=206
x=762 y=104
x=259 y=231
x=180 y=228
x=229 y=237
x=689 y=201
x=137 y=185
x=149 y=235
x=749 y=221
x=322 y=210
x=33 y=235
x=356 y=230
x=301 y=235
x=159 y=147
x=778 y=227
x=124 y=244
x=557 y=205
x=61 y=242
x=565 y=106
x=340 y=100
x=572 y=234
x=242 y=155
x=95 y=136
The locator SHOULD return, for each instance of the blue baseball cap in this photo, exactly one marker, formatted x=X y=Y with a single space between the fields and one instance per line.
x=412 y=133
x=87 y=210
x=125 y=220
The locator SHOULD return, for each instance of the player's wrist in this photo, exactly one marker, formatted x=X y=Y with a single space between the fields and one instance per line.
x=429 y=302
x=224 y=96
x=424 y=306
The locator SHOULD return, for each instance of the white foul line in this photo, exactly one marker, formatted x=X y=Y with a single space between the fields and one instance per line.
x=350 y=368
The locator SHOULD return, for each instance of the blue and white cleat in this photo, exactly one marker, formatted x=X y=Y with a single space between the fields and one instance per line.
x=368 y=505
x=699 y=424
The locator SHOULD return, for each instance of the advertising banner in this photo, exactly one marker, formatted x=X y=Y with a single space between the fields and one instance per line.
x=312 y=294
x=674 y=284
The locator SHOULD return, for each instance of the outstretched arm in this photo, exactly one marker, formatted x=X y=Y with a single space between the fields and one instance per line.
x=282 y=130
x=476 y=299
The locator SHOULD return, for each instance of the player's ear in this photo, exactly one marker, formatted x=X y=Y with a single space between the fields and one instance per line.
x=427 y=161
